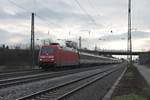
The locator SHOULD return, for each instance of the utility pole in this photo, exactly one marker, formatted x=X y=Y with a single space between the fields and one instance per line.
x=129 y=34
x=80 y=42
x=89 y=33
x=32 y=40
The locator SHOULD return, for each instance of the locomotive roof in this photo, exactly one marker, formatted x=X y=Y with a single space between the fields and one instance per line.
x=51 y=45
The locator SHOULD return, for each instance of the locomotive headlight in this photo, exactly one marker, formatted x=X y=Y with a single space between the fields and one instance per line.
x=40 y=59
x=52 y=59
x=42 y=56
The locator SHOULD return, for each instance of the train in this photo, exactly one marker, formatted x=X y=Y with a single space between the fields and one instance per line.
x=54 y=55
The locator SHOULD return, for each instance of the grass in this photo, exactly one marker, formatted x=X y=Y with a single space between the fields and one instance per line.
x=147 y=88
x=132 y=86
x=11 y=68
x=130 y=97
x=129 y=74
x=146 y=91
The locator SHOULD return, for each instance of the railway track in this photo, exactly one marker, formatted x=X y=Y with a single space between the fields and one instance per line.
x=65 y=89
x=26 y=77
x=13 y=74
x=6 y=75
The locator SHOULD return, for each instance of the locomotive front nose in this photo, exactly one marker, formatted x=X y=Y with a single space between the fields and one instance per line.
x=47 y=54
x=51 y=58
x=47 y=58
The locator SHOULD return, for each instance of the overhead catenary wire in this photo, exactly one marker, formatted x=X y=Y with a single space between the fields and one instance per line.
x=42 y=18
x=93 y=7
x=37 y=15
x=90 y=17
x=25 y=12
x=17 y=5
x=45 y=20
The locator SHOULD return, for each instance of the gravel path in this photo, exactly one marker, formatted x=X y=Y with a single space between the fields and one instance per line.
x=145 y=72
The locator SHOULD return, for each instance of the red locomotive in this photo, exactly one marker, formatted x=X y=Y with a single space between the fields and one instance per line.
x=54 y=55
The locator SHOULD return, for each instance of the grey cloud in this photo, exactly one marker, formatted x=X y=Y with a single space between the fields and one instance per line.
x=18 y=16
x=63 y=18
x=117 y=37
x=67 y=13
x=5 y=36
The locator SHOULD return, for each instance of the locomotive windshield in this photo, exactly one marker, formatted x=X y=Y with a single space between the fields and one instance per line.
x=47 y=50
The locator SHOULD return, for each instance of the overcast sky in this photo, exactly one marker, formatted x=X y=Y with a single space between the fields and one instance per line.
x=79 y=17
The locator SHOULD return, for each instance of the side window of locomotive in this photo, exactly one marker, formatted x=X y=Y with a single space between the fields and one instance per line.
x=47 y=50
x=68 y=45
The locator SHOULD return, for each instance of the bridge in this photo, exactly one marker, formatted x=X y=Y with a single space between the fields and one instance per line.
x=112 y=52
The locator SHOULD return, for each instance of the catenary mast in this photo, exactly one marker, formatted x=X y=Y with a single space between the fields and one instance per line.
x=129 y=48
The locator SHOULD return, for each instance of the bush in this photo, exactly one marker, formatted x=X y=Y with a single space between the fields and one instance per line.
x=17 y=57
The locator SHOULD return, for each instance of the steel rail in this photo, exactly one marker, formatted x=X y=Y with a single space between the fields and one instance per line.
x=20 y=73
x=17 y=71
x=38 y=94
x=85 y=85
x=25 y=79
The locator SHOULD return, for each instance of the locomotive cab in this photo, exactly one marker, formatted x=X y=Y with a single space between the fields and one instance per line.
x=47 y=56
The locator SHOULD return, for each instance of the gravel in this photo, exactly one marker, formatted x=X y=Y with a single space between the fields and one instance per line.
x=97 y=90
x=12 y=93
